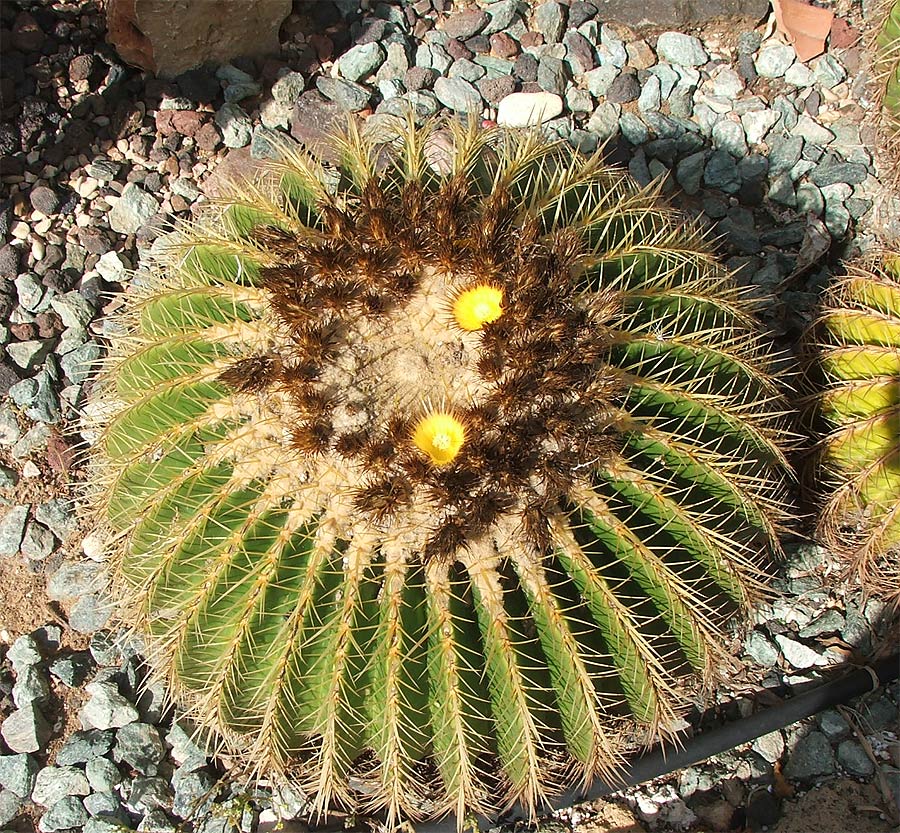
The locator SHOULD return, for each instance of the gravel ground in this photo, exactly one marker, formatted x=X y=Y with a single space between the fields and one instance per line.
x=96 y=158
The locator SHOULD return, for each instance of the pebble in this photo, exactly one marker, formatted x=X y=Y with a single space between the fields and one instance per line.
x=624 y=88
x=139 y=745
x=458 y=95
x=811 y=131
x=102 y=774
x=681 y=49
x=10 y=806
x=31 y=686
x=550 y=21
x=12 y=529
x=729 y=135
x=53 y=783
x=853 y=758
x=348 y=95
x=774 y=60
x=810 y=757
x=38 y=542
x=18 y=773
x=83 y=746
x=26 y=729
x=235 y=125
x=359 y=61
x=66 y=814
x=132 y=210
x=106 y=708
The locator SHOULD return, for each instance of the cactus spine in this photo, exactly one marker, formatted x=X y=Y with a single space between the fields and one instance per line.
x=435 y=475
x=860 y=362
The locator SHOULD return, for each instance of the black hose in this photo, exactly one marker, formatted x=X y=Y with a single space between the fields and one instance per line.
x=715 y=741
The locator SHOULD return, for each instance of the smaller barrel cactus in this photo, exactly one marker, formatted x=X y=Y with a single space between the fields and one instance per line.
x=435 y=473
x=860 y=404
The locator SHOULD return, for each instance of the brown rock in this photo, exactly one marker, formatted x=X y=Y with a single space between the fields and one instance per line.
x=168 y=40
x=185 y=122
x=531 y=39
x=48 y=324
x=237 y=166
x=60 y=455
x=23 y=332
x=26 y=34
x=314 y=120
x=503 y=46
x=208 y=137
x=465 y=24
x=80 y=67
x=640 y=55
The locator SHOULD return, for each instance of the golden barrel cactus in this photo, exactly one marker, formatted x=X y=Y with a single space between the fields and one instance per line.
x=859 y=334
x=434 y=474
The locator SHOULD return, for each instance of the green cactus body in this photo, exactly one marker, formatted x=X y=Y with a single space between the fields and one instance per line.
x=860 y=403
x=887 y=47
x=410 y=547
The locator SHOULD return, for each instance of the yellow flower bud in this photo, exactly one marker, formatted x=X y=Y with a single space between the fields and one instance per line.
x=477 y=306
x=440 y=435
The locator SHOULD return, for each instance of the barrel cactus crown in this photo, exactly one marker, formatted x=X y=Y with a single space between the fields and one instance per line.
x=434 y=473
x=860 y=403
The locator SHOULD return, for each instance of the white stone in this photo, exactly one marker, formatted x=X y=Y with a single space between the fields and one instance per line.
x=528 y=109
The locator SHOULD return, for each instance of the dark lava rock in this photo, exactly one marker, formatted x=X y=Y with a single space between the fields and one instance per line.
x=44 y=199
x=624 y=88
x=9 y=262
x=678 y=15
x=199 y=85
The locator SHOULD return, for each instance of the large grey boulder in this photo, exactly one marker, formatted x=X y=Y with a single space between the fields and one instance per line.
x=678 y=13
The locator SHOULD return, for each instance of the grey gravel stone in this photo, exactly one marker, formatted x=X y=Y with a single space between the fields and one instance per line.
x=105 y=648
x=360 y=61
x=599 y=80
x=132 y=210
x=83 y=746
x=811 y=131
x=24 y=652
x=721 y=172
x=235 y=125
x=185 y=751
x=684 y=50
x=194 y=793
x=139 y=745
x=761 y=649
x=56 y=514
x=104 y=805
x=850 y=172
x=149 y=793
x=828 y=71
x=810 y=200
x=689 y=172
x=72 y=670
x=810 y=757
x=634 y=129
x=67 y=813
x=31 y=686
x=37 y=542
x=774 y=60
x=55 y=782
x=550 y=21
x=106 y=708
x=551 y=75
x=102 y=774
x=26 y=729
x=757 y=124
x=288 y=88
x=579 y=53
x=29 y=354
x=75 y=578
x=10 y=806
x=73 y=308
x=17 y=774
x=853 y=758
x=770 y=746
x=650 y=98
x=605 y=120
x=729 y=135
x=467 y=70
x=458 y=95
x=156 y=821
x=784 y=153
x=29 y=291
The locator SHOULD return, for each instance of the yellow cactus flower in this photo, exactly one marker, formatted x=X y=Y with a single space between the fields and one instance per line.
x=477 y=306
x=440 y=436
